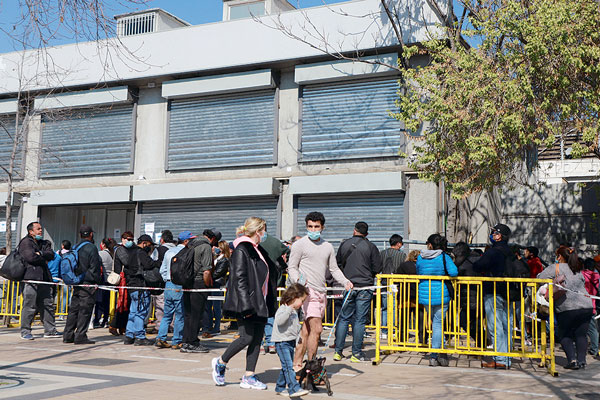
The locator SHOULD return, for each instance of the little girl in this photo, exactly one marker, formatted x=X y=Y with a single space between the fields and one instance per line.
x=286 y=329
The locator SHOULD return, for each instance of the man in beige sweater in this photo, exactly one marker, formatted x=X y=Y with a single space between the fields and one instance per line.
x=310 y=258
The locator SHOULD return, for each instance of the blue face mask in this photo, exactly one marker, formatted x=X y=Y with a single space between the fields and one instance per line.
x=314 y=235
x=492 y=238
x=129 y=244
x=217 y=251
x=38 y=237
x=263 y=237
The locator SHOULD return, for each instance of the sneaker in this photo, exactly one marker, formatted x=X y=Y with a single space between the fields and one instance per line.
x=443 y=360
x=177 y=346
x=433 y=362
x=283 y=393
x=143 y=342
x=252 y=382
x=128 y=340
x=27 y=336
x=338 y=357
x=194 y=349
x=53 y=334
x=359 y=358
x=572 y=365
x=218 y=371
x=161 y=344
x=272 y=350
x=383 y=335
x=301 y=392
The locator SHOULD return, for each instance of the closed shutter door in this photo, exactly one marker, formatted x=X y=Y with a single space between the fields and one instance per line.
x=383 y=212
x=15 y=221
x=88 y=142
x=350 y=120
x=7 y=136
x=196 y=216
x=222 y=131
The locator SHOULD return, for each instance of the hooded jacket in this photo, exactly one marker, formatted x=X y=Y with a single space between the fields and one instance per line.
x=430 y=262
x=36 y=254
x=247 y=275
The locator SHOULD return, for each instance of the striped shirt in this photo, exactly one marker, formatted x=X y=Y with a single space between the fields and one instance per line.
x=391 y=260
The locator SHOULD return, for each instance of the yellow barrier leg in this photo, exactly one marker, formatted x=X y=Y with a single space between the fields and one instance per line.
x=377 y=324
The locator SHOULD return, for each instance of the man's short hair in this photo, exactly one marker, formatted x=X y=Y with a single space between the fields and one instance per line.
x=362 y=228
x=30 y=226
x=212 y=234
x=315 y=216
x=66 y=244
x=395 y=239
x=533 y=250
x=167 y=236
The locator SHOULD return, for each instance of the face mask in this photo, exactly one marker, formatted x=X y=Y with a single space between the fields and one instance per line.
x=217 y=251
x=492 y=238
x=147 y=249
x=129 y=244
x=316 y=235
x=38 y=237
x=263 y=237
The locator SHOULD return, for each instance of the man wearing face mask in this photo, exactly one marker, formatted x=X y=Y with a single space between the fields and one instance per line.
x=36 y=253
x=310 y=259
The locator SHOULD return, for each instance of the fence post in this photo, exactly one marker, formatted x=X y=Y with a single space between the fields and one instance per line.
x=377 y=323
x=552 y=369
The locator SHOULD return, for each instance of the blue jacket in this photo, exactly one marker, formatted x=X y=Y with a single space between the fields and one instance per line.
x=430 y=263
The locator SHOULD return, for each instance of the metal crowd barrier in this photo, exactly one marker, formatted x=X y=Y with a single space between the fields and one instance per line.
x=464 y=326
x=12 y=300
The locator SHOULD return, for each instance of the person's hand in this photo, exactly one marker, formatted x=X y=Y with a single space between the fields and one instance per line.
x=349 y=285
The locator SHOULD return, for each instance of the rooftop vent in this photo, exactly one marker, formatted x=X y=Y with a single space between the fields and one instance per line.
x=237 y=9
x=147 y=21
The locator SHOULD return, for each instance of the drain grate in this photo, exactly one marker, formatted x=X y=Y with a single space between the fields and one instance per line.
x=101 y=362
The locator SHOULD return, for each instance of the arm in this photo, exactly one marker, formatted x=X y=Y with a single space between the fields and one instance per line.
x=94 y=272
x=450 y=266
x=146 y=262
x=548 y=273
x=202 y=258
x=337 y=273
x=283 y=315
x=164 y=267
x=30 y=254
x=47 y=252
x=294 y=263
x=376 y=262
x=221 y=268
x=118 y=265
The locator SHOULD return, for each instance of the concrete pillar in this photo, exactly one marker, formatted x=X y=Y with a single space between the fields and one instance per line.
x=150 y=146
x=423 y=209
x=287 y=213
x=289 y=131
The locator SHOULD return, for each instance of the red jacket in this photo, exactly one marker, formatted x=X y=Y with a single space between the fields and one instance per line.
x=535 y=266
x=591 y=284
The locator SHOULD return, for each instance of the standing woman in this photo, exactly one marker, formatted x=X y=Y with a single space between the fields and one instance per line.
x=435 y=261
x=251 y=299
x=573 y=311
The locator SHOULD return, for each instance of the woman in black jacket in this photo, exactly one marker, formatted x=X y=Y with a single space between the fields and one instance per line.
x=251 y=298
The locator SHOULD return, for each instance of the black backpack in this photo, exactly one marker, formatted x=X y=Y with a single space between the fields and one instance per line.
x=182 y=267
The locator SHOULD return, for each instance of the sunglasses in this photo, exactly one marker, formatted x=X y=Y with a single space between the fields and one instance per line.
x=129 y=239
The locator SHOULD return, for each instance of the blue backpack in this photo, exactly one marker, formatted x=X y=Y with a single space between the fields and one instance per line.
x=68 y=265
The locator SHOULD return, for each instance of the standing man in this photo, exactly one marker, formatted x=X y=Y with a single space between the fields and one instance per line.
x=493 y=264
x=391 y=260
x=36 y=253
x=173 y=310
x=166 y=243
x=310 y=258
x=360 y=261
x=83 y=298
x=276 y=251
x=194 y=302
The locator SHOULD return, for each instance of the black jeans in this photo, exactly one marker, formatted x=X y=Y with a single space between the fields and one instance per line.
x=193 y=309
x=251 y=332
x=80 y=314
x=573 y=327
x=101 y=308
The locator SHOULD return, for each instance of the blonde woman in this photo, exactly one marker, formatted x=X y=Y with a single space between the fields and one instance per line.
x=251 y=298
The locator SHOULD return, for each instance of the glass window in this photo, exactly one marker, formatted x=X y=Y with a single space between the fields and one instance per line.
x=246 y=10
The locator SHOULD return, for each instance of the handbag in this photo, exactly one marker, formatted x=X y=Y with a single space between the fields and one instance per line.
x=113 y=278
x=558 y=279
x=13 y=267
x=449 y=285
x=122 y=302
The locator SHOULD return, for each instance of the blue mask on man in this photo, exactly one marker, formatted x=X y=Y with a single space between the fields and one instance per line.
x=314 y=235
x=129 y=244
x=38 y=237
x=492 y=238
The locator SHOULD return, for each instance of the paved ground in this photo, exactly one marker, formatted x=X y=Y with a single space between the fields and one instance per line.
x=47 y=368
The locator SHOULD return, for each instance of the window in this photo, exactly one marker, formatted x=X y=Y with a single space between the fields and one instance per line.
x=246 y=10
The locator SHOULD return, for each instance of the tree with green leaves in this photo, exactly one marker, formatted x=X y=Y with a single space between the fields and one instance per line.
x=508 y=77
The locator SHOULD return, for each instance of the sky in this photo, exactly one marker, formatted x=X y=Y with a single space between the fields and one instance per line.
x=195 y=12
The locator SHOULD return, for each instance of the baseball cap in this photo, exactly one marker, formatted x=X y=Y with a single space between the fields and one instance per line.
x=185 y=235
x=85 y=230
x=145 y=238
x=503 y=229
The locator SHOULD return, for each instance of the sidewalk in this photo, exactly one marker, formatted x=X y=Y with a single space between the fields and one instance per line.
x=48 y=368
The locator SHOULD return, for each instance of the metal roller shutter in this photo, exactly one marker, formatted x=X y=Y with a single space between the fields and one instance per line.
x=222 y=131
x=196 y=216
x=7 y=133
x=384 y=212
x=88 y=142
x=350 y=120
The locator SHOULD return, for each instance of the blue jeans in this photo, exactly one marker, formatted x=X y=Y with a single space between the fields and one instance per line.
x=502 y=325
x=211 y=319
x=437 y=316
x=287 y=376
x=355 y=311
x=593 y=335
x=173 y=311
x=269 y=332
x=138 y=309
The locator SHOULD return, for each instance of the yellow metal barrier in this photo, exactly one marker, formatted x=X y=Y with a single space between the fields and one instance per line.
x=464 y=327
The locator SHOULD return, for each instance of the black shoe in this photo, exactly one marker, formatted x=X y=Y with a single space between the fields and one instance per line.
x=84 y=341
x=128 y=340
x=68 y=340
x=194 y=349
x=581 y=365
x=143 y=342
x=572 y=365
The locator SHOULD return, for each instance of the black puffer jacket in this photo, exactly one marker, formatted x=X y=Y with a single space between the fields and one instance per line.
x=244 y=287
x=465 y=268
x=36 y=254
x=360 y=260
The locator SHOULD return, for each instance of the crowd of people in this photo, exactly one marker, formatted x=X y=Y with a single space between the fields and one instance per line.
x=255 y=264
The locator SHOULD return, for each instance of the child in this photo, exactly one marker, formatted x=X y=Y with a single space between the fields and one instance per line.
x=286 y=329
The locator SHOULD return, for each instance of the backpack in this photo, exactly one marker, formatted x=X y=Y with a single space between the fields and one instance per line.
x=69 y=264
x=182 y=267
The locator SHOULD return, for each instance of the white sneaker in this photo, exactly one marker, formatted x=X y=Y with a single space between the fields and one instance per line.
x=283 y=393
x=252 y=382
x=299 y=393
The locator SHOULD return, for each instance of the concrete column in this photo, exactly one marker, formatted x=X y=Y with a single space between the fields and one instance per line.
x=288 y=121
x=150 y=146
x=423 y=209
x=29 y=213
x=287 y=213
x=33 y=149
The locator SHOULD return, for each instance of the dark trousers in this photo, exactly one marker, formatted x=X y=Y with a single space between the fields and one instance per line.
x=572 y=327
x=101 y=308
x=37 y=298
x=193 y=309
x=251 y=333
x=80 y=314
